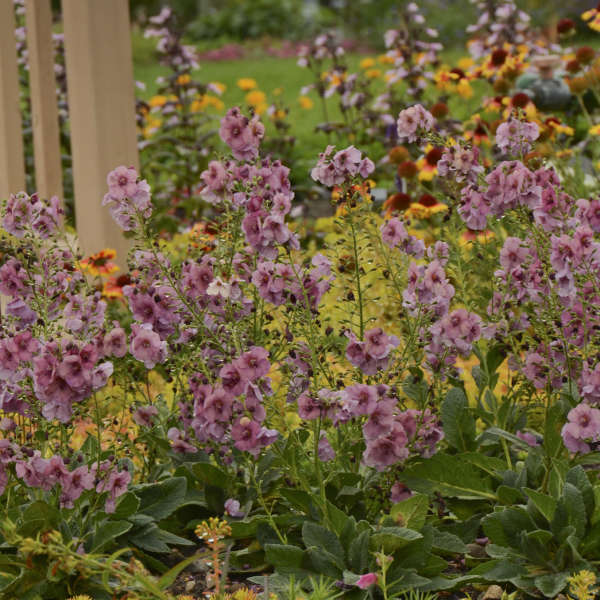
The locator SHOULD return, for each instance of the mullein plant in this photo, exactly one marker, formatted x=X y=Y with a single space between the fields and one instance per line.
x=178 y=124
x=239 y=333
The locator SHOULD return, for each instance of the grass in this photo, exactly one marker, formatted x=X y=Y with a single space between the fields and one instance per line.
x=278 y=78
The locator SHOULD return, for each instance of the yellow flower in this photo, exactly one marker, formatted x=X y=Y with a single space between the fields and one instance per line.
x=221 y=87
x=256 y=98
x=184 y=79
x=384 y=59
x=157 y=101
x=445 y=80
x=420 y=211
x=465 y=63
x=199 y=104
x=561 y=128
x=373 y=73
x=203 y=102
x=595 y=130
x=261 y=108
x=217 y=103
x=336 y=79
x=592 y=17
x=464 y=89
x=305 y=102
x=367 y=63
x=426 y=171
x=566 y=153
x=152 y=127
x=246 y=84
x=481 y=237
x=582 y=585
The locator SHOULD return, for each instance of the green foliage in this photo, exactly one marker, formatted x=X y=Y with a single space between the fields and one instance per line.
x=241 y=20
x=542 y=542
x=458 y=420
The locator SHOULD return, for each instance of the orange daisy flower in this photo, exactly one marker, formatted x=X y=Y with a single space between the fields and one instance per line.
x=113 y=287
x=100 y=264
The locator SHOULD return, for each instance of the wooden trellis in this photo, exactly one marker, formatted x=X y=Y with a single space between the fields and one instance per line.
x=101 y=101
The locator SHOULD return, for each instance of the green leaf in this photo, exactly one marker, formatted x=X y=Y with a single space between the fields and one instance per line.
x=458 y=421
x=215 y=498
x=447 y=542
x=325 y=563
x=127 y=506
x=298 y=499
x=174 y=540
x=545 y=504
x=283 y=556
x=246 y=528
x=358 y=553
x=537 y=546
x=149 y=539
x=416 y=391
x=551 y=585
x=38 y=517
x=315 y=536
x=439 y=583
x=578 y=478
x=591 y=543
x=573 y=500
x=210 y=474
x=392 y=538
x=498 y=570
x=555 y=419
x=159 y=500
x=108 y=532
x=496 y=432
x=411 y=512
x=339 y=519
x=596 y=514
x=141 y=520
x=505 y=526
x=447 y=475
x=494 y=358
x=509 y=495
x=406 y=579
x=490 y=464
x=170 y=576
x=480 y=377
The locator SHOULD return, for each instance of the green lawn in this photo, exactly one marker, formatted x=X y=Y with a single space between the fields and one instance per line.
x=272 y=74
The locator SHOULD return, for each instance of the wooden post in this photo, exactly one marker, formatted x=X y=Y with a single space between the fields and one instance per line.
x=44 y=108
x=12 y=162
x=102 y=112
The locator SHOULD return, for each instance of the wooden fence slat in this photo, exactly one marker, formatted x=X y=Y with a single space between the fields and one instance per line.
x=12 y=161
x=44 y=107
x=102 y=112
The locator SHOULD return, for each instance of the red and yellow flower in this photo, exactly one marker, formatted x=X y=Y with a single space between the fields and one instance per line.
x=427 y=164
x=592 y=18
x=100 y=264
x=427 y=206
